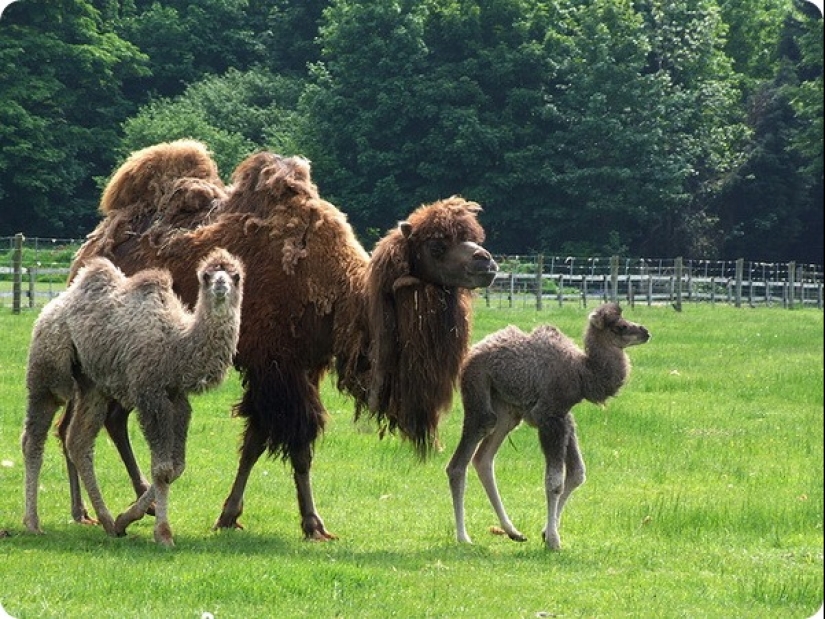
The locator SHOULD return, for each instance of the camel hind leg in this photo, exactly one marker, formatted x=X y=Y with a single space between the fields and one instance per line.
x=555 y=434
x=484 y=463
x=87 y=420
x=40 y=413
x=116 y=426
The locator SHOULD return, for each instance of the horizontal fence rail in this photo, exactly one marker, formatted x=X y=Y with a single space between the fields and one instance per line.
x=536 y=280
x=34 y=270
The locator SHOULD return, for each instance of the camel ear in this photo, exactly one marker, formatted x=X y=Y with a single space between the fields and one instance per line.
x=406 y=228
x=597 y=319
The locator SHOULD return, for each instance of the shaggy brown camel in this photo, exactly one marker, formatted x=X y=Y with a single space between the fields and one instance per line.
x=130 y=340
x=510 y=377
x=395 y=326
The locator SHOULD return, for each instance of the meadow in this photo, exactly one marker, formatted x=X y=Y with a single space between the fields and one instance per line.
x=704 y=499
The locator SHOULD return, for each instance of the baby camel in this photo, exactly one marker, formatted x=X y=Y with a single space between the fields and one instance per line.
x=511 y=376
x=110 y=338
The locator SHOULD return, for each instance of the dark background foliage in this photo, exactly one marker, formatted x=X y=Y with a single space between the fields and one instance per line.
x=686 y=127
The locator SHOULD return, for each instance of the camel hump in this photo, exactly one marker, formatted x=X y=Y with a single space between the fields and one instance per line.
x=150 y=174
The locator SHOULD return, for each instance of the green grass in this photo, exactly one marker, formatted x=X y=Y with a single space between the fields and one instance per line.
x=704 y=499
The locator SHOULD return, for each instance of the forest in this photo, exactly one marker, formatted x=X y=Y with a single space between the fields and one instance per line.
x=654 y=128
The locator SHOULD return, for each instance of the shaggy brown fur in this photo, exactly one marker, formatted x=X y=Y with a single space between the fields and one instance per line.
x=512 y=376
x=311 y=297
x=111 y=338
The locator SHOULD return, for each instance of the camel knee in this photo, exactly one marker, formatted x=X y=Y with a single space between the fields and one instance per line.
x=164 y=473
x=575 y=478
x=554 y=482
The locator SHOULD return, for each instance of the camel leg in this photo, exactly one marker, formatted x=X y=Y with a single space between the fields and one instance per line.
x=85 y=425
x=254 y=444
x=79 y=512
x=117 y=426
x=39 y=416
x=135 y=512
x=165 y=471
x=554 y=435
x=311 y=523
x=182 y=415
x=158 y=416
x=471 y=436
x=574 y=469
x=484 y=463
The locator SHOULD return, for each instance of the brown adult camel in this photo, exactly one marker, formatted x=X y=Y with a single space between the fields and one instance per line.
x=395 y=326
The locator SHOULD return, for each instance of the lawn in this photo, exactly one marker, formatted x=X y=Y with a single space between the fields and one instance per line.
x=704 y=498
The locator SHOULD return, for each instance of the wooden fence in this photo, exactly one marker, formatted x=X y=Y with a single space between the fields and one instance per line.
x=534 y=280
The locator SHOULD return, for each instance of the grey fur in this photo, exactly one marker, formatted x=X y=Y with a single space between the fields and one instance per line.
x=512 y=376
x=110 y=339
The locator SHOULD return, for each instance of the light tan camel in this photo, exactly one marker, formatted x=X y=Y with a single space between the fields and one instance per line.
x=128 y=340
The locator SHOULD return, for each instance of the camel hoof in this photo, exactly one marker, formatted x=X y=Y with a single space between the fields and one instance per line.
x=227 y=523
x=515 y=535
x=552 y=542
x=122 y=521
x=320 y=536
x=163 y=535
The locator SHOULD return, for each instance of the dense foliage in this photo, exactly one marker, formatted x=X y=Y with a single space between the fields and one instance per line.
x=644 y=127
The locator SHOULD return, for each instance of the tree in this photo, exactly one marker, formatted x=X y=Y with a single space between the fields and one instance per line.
x=771 y=205
x=235 y=114
x=60 y=104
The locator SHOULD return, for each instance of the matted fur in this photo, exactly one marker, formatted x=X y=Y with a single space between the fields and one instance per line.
x=419 y=332
x=307 y=296
x=109 y=339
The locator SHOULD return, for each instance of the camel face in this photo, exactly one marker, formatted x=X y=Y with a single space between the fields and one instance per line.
x=221 y=280
x=608 y=322
x=459 y=264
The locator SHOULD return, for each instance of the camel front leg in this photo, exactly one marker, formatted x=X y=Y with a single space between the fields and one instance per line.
x=254 y=444
x=554 y=435
x=311 y=523
x=471 y=436
x=135 y=512
x=575 y=472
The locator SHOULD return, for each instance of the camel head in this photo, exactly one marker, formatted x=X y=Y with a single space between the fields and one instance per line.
x=444 y=244
x=607 y=324
x=222 y=274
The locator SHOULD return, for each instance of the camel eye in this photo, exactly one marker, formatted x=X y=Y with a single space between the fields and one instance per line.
x=437 y=248
x=236 y=277
x=206 y=277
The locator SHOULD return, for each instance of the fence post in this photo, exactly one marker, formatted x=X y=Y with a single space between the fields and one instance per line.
x=678 y=281
x=614 y=279
x=32 y=273
x=539 y=273
x=740 y=265
x=791 y=283
x=17 y=270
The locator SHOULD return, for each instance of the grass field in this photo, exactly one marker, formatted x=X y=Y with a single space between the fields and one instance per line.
x=704 y=499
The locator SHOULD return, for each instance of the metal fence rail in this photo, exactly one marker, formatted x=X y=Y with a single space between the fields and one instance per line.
x=536 y=280
x=33 y=271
